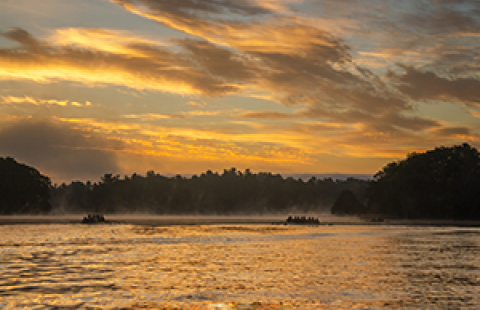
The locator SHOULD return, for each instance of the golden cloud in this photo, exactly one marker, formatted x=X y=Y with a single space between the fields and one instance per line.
x=475 y=113
x=283 y=58
x=149 y=67
x=147 y=116
x=180 y=142
x=109 y=41
x=35 y=101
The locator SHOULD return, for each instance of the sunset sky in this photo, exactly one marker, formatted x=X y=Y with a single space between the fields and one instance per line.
x=287 y=86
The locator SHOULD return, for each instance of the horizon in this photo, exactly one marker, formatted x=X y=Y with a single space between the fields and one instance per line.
x=291 y=87
x=300 y=176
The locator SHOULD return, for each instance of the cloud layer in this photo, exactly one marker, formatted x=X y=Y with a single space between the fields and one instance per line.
x=362 y=86
x=58 y=150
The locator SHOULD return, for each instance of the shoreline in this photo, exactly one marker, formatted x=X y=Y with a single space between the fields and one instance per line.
x=169 y=220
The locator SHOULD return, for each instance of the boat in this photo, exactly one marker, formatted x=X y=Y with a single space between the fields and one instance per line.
x=302 y=220
x=94 y=219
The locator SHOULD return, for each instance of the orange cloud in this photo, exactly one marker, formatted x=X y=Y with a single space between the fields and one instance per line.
x=147 y=116
x=35 y=101
x=263 y=49
x=204 y=113
x=283 y=35
x=110 y=41
x=181 y=142
x=267 y=115
x=475 y=113
x=156 y=69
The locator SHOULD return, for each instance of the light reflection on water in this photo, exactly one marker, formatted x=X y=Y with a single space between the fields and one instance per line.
x=238 y=267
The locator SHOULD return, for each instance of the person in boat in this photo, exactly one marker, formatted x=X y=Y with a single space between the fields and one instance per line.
x=93 y=218
x=302 y=220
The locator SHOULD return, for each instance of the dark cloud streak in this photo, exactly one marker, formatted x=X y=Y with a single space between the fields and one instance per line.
x=427 y=85
x=60 y=151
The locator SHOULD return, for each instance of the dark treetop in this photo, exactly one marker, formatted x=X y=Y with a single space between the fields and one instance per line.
x=232 y=192
x=22 y=189
x=443 y=183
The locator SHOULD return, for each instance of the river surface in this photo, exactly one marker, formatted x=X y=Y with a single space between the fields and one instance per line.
x=121 y=266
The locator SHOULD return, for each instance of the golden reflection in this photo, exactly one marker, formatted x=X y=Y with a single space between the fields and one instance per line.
x=237 y=267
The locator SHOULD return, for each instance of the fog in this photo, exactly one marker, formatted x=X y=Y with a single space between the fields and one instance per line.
x=149 y=219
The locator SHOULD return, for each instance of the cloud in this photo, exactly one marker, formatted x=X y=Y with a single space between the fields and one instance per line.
x=427 y=85
x=109 y=41
x=462 y=133
x=153 y=116
x=185 y=7
x=60 y=151
x=204 y=113
x=475 y=113
x=303 y=64
x=410 y=32
x=12 y=100
x=183 y=142
x=23 y=37
x=292 y=60
x=266 y=49
x=149 y=67
x=282 y=34
x=219 y=62
x=443 y=17
x=267 y=115
x=289 y=57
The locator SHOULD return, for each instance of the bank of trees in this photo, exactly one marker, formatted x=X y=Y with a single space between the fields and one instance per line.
x=443 y=183
x=232 y=192
x=22 y=189
x=440 y=183
x=347 y=203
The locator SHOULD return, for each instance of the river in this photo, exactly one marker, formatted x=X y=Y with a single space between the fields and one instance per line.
x=233 y=266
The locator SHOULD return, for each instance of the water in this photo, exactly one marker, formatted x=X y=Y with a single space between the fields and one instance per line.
x=238 y=267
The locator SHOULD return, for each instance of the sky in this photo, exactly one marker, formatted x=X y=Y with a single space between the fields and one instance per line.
x=285 y=86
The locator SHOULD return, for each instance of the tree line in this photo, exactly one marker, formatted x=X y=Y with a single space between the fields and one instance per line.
x=443 y=183
x=231 y=192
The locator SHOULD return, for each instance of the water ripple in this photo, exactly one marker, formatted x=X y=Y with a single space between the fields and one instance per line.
x=237 y=267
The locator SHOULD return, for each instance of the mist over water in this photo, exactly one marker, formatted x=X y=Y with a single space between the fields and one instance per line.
x=155 y=219
x=237 y=266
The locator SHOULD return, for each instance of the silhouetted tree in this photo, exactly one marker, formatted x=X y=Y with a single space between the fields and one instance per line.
x=440 y=183
x=232 y=192
x=347 y=203
x=22 y=189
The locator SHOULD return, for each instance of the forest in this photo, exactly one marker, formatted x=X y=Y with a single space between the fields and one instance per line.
x=23 y=189
x=443 y=183
x=232 y=192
